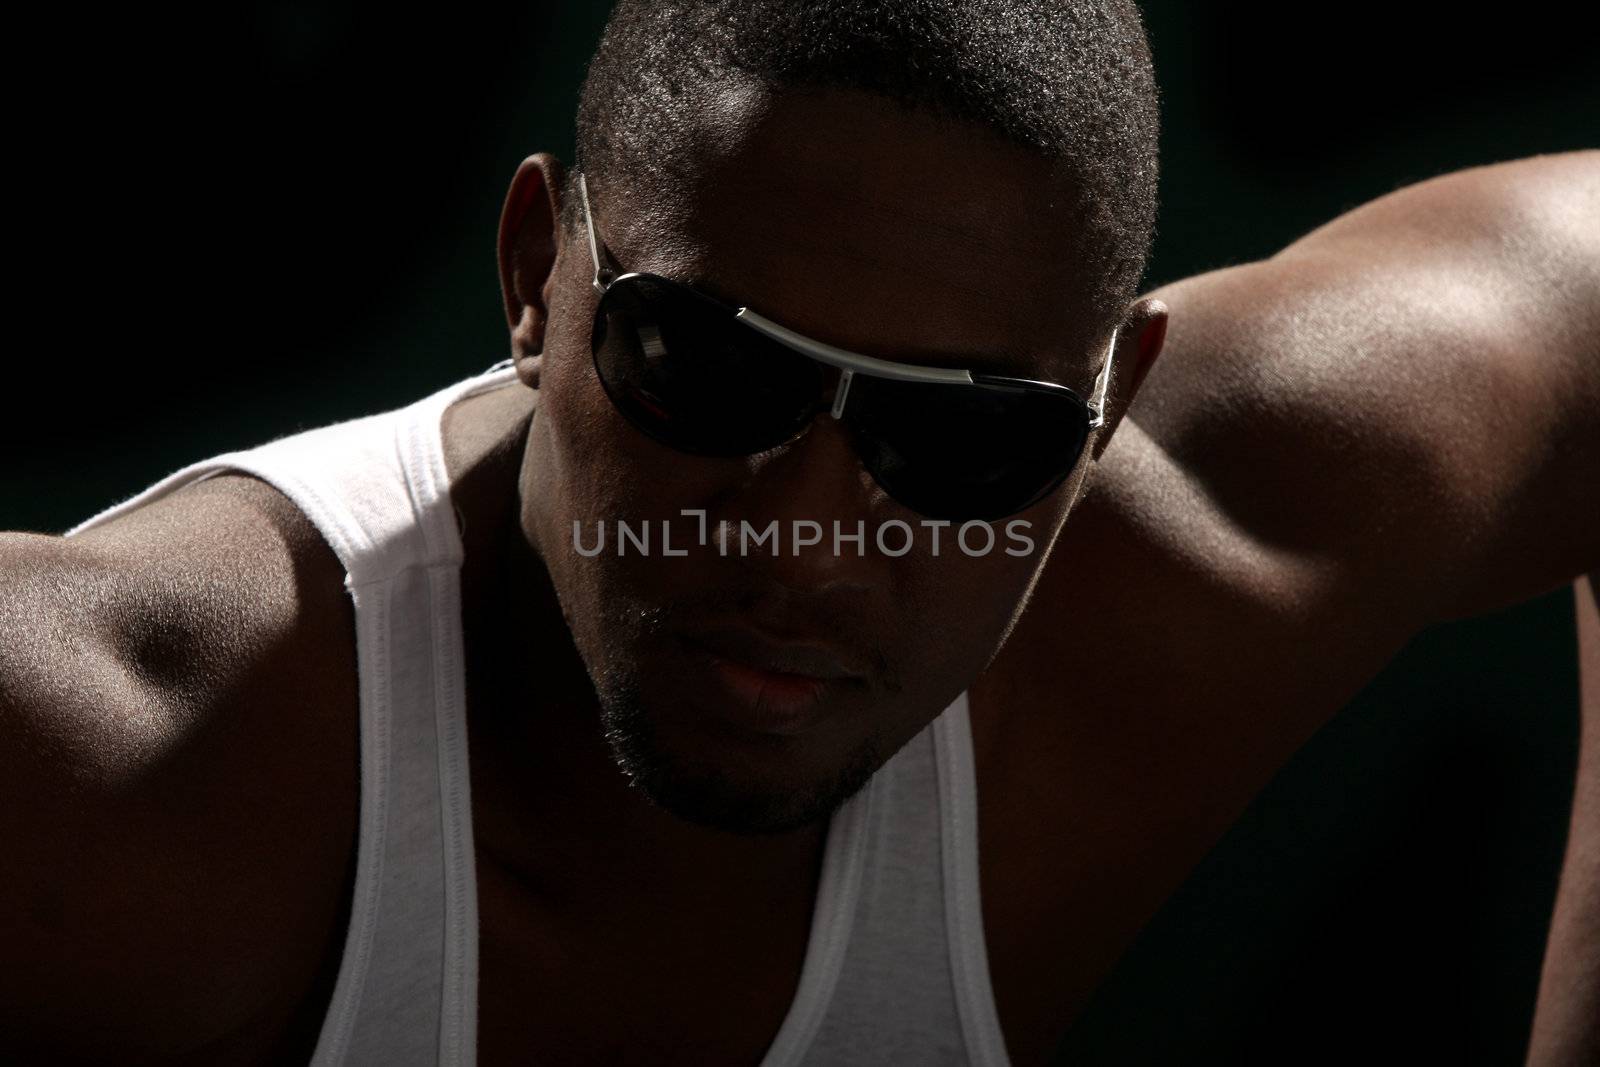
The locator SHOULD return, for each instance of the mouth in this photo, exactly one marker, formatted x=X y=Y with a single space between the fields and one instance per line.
x=773 y=686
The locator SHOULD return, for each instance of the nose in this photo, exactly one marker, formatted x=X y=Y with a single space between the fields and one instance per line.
x=815 y=489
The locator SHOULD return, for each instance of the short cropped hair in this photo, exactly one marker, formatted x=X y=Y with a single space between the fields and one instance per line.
x=1071 y=80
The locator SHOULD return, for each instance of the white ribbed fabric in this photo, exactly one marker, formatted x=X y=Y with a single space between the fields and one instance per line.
x=895 y=969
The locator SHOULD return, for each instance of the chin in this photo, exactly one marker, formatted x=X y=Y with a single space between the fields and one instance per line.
x=737 y=784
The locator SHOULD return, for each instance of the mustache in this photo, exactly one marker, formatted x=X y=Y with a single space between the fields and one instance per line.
x=830 y=618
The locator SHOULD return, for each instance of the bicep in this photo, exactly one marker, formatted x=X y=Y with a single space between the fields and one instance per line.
x=81 y=897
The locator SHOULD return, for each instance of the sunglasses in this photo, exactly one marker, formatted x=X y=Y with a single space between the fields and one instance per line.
x=710 y=379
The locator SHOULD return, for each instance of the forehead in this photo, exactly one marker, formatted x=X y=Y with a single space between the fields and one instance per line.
x=854 y=220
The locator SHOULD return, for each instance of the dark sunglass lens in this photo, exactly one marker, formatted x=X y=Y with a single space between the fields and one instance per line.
x=682 y=369
x=961 y=452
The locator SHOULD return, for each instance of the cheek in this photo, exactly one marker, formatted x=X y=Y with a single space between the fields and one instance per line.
x=953 y=611
x=587 y=470
x=576 y=434
x=575 y=475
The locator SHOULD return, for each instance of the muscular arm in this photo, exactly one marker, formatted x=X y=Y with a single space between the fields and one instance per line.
x=174 y=823
x=1401 y=413
x=1409 y=396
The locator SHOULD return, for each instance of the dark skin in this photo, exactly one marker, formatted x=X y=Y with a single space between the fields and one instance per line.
x=917 y=627
x=1204 y=613
x=936 y=622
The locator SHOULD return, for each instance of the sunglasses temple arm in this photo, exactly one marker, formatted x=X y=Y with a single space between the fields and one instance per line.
x=588 y=224
x=1102 y=383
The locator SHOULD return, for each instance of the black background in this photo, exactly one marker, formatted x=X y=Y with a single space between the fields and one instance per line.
x=231 y=225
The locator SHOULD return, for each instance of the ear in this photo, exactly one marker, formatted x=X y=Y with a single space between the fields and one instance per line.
x=1139 y=339
x=529 y=239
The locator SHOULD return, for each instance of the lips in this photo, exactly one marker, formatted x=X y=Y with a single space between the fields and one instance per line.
x=771 y=686
x=800 y=658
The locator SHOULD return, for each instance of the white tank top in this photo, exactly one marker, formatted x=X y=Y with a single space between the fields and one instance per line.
x=895 y=970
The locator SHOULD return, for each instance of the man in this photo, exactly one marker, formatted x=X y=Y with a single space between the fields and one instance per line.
x=1389 y=423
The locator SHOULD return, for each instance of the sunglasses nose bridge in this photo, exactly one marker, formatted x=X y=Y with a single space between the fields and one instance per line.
x=841 y=393
x=821 y=470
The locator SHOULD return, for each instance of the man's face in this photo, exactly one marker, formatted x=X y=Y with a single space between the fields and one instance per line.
x=880 y=231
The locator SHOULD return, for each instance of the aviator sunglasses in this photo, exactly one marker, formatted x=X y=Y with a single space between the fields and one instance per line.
x=710 y=379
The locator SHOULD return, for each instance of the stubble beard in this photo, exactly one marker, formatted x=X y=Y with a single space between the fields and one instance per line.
x=707 y=795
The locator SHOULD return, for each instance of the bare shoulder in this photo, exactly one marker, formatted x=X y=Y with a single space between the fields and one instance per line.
x=1545 y=198
x=178 y=754
x=1394 y=421
x=1406 y=395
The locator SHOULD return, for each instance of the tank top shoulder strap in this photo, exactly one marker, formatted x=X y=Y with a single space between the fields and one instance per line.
x=375 y=486
x=378 y=491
